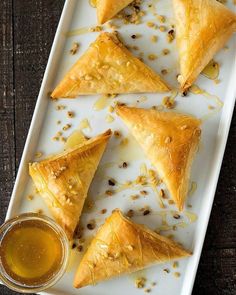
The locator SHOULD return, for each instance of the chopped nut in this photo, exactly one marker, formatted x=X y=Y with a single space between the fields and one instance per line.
x=112 y=182
x=144 y=193
x=124 y=165
x=168 y=102
x=74 y=48
x=162 y=194
x=164 y=71
x=103 y=211
x=140 y=282
x=109 y=193
x=152 y=56
x=130 y=213
x=165 y=51
x=154 y=39
x=161 y=18
x=78 y=233
x=111 y=109
x=162 y=28
x=55 y=138
x=146 y=212
x=134 y=197
x=177 y=274
x=60 y=107
x=170 y=36
x=91 y=225
x=96 y=29
x=70 y=114
x=80 y=248
x=66 y=127
x=30 y=197
x=38 y=154
x=151 y=25
x=141 y=180
x=166 y=270
x=176 y=216
x=135 y=36
x=148 y=290
x=39 y=211
x=124 y=141
x=175 y=264
x=117 y=134
x=171 y=202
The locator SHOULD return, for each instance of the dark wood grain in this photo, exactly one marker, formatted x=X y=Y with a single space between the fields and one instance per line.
x=27 y=29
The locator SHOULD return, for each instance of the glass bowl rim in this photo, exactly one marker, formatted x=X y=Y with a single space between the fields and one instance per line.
x=8 y=224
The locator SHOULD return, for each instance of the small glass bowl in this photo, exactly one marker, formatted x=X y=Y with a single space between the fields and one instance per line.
x=23 y=288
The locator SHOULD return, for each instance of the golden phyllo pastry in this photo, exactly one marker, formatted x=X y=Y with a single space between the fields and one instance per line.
x=122 y=246
x=63 y=180
x=107 y=67
x=170 y=141
x=107 y=9
x=202 y=29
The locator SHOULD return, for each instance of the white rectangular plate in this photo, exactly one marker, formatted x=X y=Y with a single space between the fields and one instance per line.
x=206 y=168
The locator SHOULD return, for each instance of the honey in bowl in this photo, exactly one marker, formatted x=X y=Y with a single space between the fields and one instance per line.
x=32 y=253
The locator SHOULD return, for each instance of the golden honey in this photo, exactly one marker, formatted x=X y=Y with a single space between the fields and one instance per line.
x=32 y=253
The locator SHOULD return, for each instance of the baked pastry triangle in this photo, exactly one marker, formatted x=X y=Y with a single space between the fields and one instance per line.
x=63 y=180
x=202 y=29
x=170 y=141
x=108 y=67
x=122 y=246
x=107 y=9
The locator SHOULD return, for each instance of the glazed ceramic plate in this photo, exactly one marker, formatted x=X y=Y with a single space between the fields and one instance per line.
x=214 y=105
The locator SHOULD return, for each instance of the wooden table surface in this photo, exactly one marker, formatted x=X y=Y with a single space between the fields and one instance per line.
x=27 y=29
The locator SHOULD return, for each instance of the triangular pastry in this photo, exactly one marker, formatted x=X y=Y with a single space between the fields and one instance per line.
x=122 y=246
x=63 y=180
x=170 y=141
x=202 y=28
x=107 y=67
x=107 y=9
